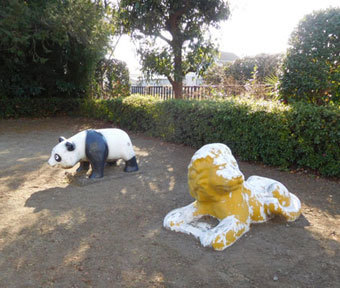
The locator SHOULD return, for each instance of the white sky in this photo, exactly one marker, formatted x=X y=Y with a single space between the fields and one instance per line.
x=255 y=26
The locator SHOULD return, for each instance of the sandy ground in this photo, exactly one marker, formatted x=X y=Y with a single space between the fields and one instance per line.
x=58 y=229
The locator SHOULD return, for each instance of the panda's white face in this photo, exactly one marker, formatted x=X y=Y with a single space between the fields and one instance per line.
x=64 y=155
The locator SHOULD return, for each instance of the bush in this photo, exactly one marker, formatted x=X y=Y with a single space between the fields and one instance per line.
x=311 y=70
x=302 y=135
x=37 y=107
x=316 y=134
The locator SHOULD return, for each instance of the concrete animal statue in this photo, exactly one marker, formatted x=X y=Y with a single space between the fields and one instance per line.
x=95 y=148
x=220 y=190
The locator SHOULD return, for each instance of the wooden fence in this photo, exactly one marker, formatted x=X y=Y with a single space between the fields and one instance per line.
x=166 y=92
x=192 y=92
x=203 y=92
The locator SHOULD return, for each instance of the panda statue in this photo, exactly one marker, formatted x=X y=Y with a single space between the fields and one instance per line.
x=95 y=147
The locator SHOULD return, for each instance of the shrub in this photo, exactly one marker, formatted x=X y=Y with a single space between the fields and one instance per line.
x=302 y=135
x=316 y=134
x=311 y=70
x=37 y=107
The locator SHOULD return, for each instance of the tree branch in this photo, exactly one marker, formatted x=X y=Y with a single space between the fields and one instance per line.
x=170 y=79
x=164 y=38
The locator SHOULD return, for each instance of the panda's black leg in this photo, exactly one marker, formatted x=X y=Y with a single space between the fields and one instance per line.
x=84 y=166
x=97 y=169
x=96 y=151
x=131 y=165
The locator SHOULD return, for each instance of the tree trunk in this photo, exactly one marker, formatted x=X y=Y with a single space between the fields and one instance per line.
x=176 y=45
x=177 y=84
x=178 y=89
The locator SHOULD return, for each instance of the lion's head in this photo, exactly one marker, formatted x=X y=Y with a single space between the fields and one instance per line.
x=213 y=173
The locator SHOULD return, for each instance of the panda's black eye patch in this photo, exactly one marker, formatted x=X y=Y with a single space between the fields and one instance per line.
x=57 y=157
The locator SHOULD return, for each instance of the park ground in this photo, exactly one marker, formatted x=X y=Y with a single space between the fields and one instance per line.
x=58 y=229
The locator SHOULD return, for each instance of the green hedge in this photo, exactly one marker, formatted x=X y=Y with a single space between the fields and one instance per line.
x=301 y=135
x=37 y=107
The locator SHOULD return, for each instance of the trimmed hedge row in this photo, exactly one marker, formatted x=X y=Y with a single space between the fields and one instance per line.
x=37 y=107
x=298 y=135
x=302 y=134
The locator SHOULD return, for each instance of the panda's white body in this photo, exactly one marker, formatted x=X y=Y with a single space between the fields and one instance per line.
x=118 y=142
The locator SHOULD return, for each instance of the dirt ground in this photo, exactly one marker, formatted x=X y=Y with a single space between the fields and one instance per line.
x=58 y=229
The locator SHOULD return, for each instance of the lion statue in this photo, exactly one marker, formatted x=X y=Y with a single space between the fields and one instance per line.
x=218 y=186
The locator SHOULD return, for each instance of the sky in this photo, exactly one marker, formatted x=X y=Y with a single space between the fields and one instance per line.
x=254 y=27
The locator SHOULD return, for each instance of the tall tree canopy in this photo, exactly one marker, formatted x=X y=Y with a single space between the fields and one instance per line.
x=51 y=47
x=173 y=35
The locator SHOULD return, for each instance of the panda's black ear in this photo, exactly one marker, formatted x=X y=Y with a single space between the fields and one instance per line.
x=70 y=146
x=61 y=139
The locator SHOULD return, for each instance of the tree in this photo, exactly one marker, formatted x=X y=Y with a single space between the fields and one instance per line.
x=311 y=69
x=111 y=79
x=242 y=69
x=50 y=48
x=257 y=76
x=173 y=35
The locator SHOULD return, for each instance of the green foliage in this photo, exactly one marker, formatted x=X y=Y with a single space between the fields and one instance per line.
x=111 y=79
x=37 y=107
x=214 y=75
x=311 y=69
x=316 y=134
x=50 y=48
x=255 y=76
x=172 y=35
x=242 y=69
x=302 y=135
